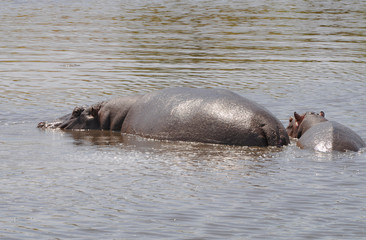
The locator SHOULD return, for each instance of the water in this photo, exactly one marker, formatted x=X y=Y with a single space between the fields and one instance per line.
x=286 y=55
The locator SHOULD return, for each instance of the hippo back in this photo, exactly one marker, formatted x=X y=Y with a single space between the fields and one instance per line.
x=328 y=136
x=204 y=115
x=310 y=119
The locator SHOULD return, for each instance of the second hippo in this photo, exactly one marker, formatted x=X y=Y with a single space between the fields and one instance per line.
x=314 y=131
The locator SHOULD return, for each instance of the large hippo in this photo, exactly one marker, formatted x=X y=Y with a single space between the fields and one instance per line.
x=314 y=131
x=182 y=114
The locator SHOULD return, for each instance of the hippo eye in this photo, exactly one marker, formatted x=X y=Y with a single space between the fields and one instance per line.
x=77 y=111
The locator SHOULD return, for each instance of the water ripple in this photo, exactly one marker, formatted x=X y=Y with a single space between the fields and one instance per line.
x=287 y=55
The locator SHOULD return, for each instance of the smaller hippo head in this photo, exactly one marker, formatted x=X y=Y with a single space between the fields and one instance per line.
x=83 y=118
x=298 y=124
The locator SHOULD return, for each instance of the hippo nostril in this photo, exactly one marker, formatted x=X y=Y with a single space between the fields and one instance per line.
x=41 y=125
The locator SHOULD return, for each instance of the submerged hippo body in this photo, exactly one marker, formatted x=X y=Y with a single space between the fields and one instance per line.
x=183 y=114
x=314 y=131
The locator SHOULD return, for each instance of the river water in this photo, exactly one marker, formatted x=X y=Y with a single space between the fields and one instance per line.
x=287 y=55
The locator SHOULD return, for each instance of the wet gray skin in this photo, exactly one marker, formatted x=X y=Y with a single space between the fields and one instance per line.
x=182 y=114
x=314 y=131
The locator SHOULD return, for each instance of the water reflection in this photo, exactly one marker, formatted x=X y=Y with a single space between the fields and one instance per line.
x=187 y=150
x=171 y=157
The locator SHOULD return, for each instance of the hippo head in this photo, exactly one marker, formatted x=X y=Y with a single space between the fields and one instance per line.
x=83 y=118
x=296 y=126
x=80 y=118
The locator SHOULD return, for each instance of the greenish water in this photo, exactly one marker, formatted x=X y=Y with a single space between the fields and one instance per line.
x=286 y=55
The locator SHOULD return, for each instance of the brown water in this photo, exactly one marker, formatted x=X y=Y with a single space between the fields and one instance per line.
x=287 y=55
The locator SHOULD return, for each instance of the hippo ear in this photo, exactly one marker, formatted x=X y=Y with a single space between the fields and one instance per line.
x=95 y=109
x=298 y=118
x=322 y=113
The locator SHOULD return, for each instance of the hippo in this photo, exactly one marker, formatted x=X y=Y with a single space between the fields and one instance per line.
x=182 y=114
x=314 y=131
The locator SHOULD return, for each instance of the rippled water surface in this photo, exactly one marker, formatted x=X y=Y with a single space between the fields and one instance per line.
x=286 y=55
